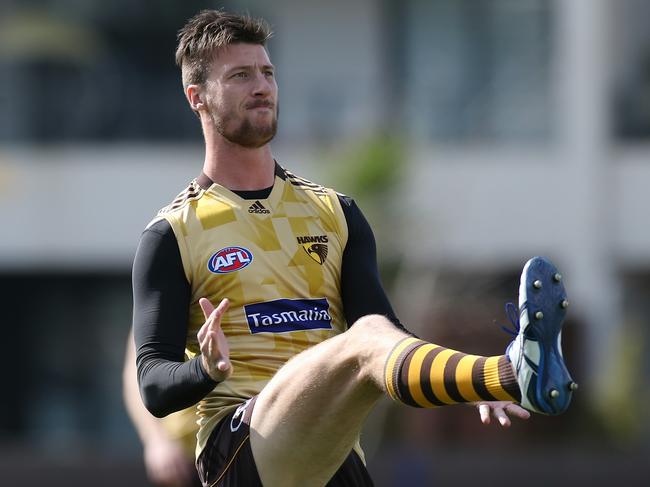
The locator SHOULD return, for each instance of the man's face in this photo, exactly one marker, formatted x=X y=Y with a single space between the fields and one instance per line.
x=241 y=95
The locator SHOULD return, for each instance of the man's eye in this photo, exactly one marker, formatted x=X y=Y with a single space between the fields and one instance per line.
x=241 y=74
x=268 y=73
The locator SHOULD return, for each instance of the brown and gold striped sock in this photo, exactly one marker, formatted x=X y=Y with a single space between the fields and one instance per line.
x=426 y=375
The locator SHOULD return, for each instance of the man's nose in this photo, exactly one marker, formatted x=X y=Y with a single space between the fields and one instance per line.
x=262 y=86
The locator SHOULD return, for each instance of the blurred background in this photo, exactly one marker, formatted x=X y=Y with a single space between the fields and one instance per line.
x=473 y=133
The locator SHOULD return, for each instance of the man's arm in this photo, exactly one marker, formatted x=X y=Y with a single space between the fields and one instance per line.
x=147 y=426
x=161 y=299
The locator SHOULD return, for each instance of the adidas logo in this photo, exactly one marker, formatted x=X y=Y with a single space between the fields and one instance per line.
x=258 y=207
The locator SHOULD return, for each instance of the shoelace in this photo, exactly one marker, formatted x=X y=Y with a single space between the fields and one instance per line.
x=513 y=314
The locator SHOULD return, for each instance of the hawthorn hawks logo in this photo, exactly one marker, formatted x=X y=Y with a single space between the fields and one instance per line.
x=316 y=247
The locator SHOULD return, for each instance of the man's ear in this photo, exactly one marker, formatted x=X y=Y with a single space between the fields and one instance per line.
x=194 y=97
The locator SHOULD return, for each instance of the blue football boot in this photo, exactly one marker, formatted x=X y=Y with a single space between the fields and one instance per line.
x=536 y=352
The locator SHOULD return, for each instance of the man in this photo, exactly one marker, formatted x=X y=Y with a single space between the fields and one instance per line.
x=303 y=341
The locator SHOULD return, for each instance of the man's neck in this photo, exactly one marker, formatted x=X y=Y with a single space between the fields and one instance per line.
x=239 y=168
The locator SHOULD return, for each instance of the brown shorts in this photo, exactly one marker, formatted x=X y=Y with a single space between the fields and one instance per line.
x=227 y=459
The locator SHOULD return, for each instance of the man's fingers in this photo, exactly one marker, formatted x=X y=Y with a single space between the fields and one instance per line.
x=202 y=331
x=214 y=320
x=206 y=306
x=501 y=411
x=218 y=312
x=484 y=412
x=502 y=417
x=210 y=342
x=213 y=342
x=212 y=316
x=518 y=411
x=224 y=362
x=216 y=350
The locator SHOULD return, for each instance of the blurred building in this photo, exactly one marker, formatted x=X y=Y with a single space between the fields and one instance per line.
x=525 y=126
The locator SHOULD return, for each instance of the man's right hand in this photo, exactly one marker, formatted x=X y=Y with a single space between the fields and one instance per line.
x=215 y=353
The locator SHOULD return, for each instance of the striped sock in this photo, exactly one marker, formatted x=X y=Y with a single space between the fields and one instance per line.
x=425 y=375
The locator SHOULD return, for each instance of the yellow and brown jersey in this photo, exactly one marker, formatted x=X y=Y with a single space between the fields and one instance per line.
x=297 y=260
x=278 y=261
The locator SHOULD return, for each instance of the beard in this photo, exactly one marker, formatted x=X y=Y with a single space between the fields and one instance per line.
x=241 y=131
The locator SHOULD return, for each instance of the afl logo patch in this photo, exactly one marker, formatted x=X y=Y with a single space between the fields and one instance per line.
x=229 y=259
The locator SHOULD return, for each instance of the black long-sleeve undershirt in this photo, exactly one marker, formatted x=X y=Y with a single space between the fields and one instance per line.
x=161 y=300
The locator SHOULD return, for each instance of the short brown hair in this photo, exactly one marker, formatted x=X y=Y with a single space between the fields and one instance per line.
x=209 y=31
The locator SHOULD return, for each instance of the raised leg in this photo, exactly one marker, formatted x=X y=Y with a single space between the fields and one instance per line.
x=308 y=417
x=306 y=420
